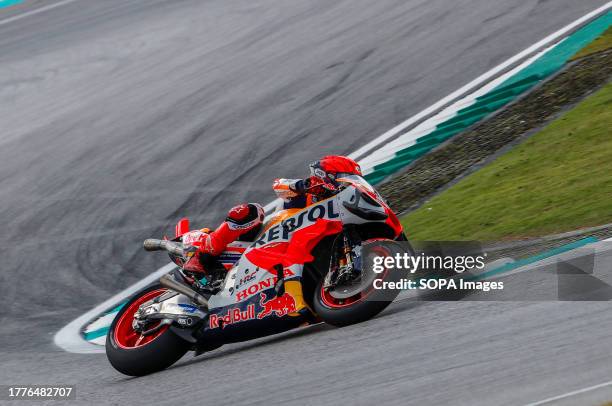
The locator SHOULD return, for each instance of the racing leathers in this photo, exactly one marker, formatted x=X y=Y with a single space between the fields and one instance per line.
x=243 y=222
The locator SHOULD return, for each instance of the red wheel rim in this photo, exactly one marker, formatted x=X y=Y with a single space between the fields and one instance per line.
x=125 y=335
x=330 y=301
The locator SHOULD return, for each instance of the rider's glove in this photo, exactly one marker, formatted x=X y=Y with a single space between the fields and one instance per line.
x=319 y=187
x=287 y=189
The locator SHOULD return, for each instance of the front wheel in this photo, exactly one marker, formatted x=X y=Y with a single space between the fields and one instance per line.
x=134 y=354
x=358 y=301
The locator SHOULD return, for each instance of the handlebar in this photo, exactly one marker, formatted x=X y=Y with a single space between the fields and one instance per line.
x=172 y=247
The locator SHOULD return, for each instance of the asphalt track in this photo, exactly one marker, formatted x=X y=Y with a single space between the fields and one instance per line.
x=118 y=117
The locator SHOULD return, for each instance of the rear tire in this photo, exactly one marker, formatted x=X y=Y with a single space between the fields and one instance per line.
x=360 y=309
x=160 y=350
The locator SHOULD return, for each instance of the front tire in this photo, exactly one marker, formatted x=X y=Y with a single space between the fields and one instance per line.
x=135 y=355
x=360 y=307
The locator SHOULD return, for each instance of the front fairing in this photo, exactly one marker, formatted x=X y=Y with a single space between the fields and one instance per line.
x=372 y=200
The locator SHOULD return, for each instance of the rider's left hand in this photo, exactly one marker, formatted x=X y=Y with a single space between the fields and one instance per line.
x=319 y=187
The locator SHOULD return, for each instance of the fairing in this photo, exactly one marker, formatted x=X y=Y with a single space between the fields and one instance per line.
x=248 y=299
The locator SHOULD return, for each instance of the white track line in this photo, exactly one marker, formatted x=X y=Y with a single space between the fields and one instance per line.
x=478 y=81
x=570 y=394
x=36 y=11
x=69 y=338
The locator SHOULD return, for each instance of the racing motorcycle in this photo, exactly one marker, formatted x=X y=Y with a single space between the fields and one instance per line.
x=304 y=267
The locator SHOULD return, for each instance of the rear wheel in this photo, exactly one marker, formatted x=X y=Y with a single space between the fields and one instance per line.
x=354 y=302
x=135 y=354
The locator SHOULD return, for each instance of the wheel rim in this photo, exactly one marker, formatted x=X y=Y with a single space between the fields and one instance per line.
x=330 y=301
x=125 y=335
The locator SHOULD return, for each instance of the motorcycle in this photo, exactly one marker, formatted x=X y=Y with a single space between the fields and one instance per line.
x=304 y=267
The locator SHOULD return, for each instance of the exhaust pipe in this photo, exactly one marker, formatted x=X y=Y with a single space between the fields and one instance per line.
x=169 y=282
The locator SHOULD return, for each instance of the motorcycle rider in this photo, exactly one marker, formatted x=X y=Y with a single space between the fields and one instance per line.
x=244 y=222
x=299 y=193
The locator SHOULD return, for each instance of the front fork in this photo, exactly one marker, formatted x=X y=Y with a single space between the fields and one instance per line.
x=344 y=257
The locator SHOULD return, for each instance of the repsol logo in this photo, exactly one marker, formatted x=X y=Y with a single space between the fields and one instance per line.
x=286 y=227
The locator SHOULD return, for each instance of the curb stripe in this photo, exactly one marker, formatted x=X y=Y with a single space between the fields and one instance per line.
x=9 y=3
x=101 y=332
x=536 y=258
x=116 y=309
x=556 y=59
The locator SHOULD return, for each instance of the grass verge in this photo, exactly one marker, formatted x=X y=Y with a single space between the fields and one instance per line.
x=558 y=180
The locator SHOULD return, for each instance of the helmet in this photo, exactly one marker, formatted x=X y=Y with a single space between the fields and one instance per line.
x=331 y=166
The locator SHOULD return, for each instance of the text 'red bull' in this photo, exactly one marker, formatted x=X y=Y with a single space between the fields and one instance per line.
x=232 y=316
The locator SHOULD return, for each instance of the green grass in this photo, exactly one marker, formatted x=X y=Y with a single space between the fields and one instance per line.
x=600 y=44
x=558 y=180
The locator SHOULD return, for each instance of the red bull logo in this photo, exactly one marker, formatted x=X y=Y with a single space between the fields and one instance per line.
x=282 y=305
